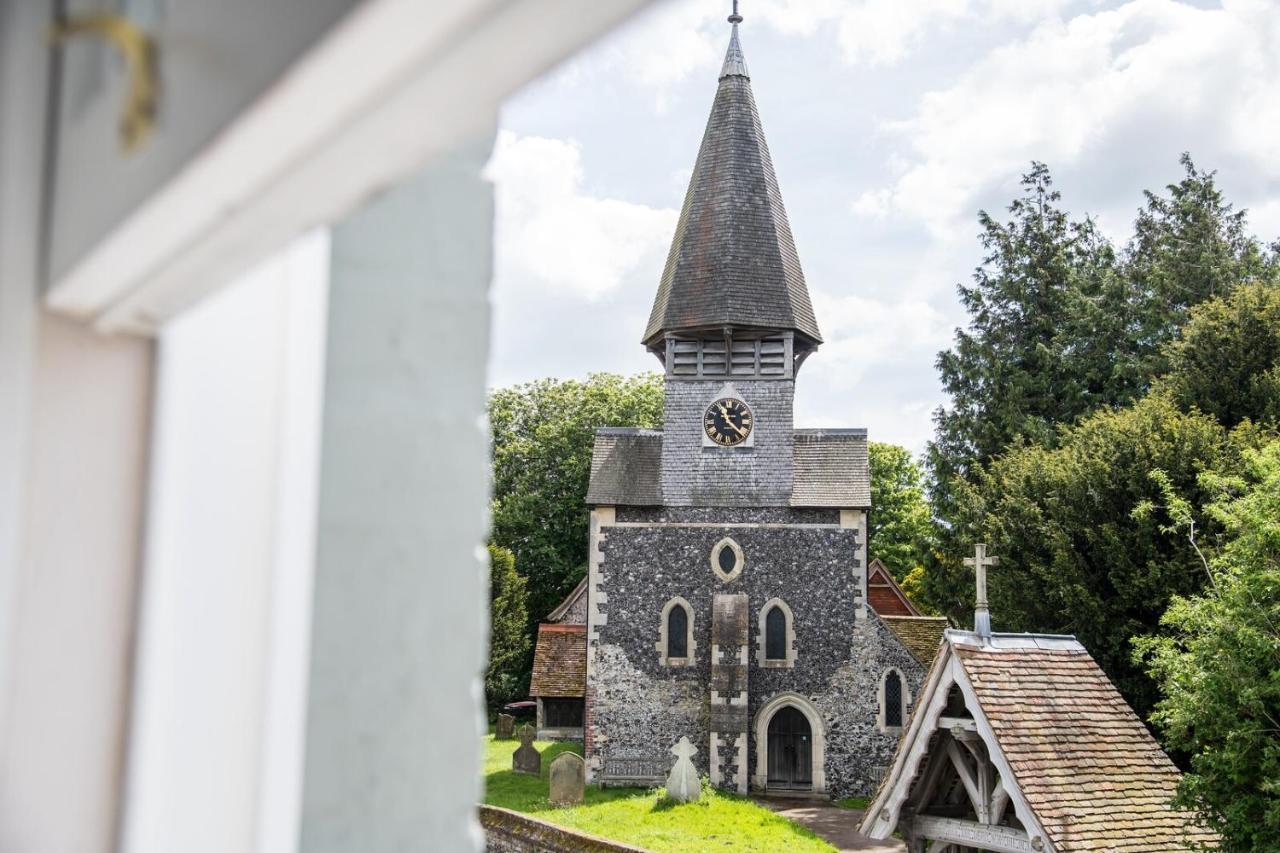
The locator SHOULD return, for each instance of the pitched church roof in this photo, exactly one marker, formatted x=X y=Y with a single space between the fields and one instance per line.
x=733 y=260
x=572 y=609
x=828 y=469
x=1073 y=767
x=921 y=635
x=887 y=598
x=560 y=661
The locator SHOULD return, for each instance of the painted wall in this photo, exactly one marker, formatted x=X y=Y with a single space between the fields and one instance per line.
x=216 y=747
x=401 y=600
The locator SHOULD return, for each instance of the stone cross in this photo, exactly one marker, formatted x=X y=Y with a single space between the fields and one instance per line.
x=568 y=779
x=526 y=758
x=683 y=785
x=981 y=616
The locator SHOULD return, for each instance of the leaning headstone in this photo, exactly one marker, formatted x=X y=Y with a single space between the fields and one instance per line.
x=526 y=758
x=506 y=727
x=683 y=785
x=568 y=779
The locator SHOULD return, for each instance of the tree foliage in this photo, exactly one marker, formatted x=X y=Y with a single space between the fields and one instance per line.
x=1046 y=328
x=508 y=630
x=900 y=528
x=1226 y=362
x=1188 y=246
x=1060 y=325
x=1218 y=664
x=543 y=433
x=1076 y=555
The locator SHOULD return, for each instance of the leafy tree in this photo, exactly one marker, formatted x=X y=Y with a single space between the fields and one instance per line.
x=1218 y=665
x=543 y=433
x=1188 y=247
x=504 y=677
x=1227 y=360
x=900 y=528
x=1075 y=558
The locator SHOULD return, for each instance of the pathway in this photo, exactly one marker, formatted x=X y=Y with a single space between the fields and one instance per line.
x=837 y=826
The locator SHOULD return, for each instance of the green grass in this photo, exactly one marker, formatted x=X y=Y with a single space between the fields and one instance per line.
x=860 y=803
x=720 y=822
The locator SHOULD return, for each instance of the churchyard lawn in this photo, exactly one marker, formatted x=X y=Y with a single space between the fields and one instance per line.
x=640 y=817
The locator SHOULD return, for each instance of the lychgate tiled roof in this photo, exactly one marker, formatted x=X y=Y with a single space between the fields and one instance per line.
x=626 y=468
x=560 y=661
x=920 y=634
x=830 y=469
x=733 y=260
x=1088 y=767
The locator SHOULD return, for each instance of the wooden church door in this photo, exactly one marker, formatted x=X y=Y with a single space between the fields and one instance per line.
x=790 y=750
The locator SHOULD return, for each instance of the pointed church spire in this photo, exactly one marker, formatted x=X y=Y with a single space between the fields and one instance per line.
x=732 y=264
x=735 y=64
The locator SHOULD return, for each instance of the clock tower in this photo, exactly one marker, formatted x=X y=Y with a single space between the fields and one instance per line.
x=732 y=320
x=727 y=596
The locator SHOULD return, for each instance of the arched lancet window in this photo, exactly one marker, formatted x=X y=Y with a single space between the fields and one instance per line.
x=893 y=700
x=775 y=634
x=678 y=632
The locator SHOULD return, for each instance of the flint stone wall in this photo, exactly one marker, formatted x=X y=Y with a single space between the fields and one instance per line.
x=640 y=707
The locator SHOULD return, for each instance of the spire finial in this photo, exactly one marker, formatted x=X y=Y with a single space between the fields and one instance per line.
x=735 y=18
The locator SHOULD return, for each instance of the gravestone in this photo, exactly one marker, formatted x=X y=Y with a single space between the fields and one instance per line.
x=526 y=758
x=568 y=779
x=506 y=727
x=683 y=785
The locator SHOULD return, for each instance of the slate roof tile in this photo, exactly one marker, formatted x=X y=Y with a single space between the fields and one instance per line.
x=829 y=468
x=733 y=260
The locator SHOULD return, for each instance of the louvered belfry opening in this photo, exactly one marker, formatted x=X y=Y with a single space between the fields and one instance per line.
x=769 y=355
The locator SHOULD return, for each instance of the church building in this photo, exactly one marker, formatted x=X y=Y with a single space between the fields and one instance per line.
x=727 y=591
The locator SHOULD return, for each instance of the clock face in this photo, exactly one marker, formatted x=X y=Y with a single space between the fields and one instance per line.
x=727 y=422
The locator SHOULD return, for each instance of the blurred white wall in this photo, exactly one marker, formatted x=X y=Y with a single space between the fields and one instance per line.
x=216 y=744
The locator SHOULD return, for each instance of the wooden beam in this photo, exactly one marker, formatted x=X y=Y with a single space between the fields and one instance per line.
x=999 y=802
x=967 y=777
x=1001 y=839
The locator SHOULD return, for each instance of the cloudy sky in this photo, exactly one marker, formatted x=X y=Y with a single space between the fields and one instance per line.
x=891 y=123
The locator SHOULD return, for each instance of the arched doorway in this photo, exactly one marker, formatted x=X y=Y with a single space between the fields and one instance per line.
x=790 y=750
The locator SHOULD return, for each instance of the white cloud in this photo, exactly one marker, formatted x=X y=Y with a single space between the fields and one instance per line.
x=863 y=334
x=884 y=32
x=552 y=235
x=1105 y=85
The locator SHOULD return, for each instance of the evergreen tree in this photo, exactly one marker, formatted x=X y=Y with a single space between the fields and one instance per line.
x=1188 y=247
x=505 y=677
x=1077 y=553
x=1226 y=362
x=1046 y=319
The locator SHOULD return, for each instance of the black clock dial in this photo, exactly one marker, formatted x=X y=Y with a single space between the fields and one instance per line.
x=727 y=422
